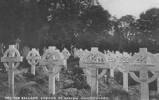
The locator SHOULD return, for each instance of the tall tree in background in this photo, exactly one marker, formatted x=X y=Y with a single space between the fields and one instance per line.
x=126 y=32
x=20 y=19
x=149 y=26
x=72 y=27
x=96 y=22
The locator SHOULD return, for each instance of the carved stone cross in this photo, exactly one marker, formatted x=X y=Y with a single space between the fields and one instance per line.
x=91 y=62
x=33 y=58
x=11 y=61
x=143 y=62
x=51 y=61
x=122 y=60
x=66 y=54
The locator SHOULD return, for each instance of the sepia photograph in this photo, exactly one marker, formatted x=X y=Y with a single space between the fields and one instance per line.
x=79 y=49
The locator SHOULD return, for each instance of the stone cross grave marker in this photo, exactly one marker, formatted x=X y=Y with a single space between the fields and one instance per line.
x=143 y=62
x=91 y=62
x=11 y=61
x=121 y=60
x=51 y=61
x=115 y=60
x=33 y=58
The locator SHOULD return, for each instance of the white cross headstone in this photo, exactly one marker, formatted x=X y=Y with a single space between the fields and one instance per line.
x=140 y=62
x=121 y=61
x=51 y=61
x=11 y=61
x=33 y=58
x=91 y=62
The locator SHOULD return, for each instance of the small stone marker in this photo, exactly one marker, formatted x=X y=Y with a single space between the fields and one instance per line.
x=11 y=61
x=33 y=58
x=51 y=61
x=140 y=62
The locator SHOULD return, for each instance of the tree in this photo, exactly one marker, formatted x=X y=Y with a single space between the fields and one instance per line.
x=148 y=24
x=71 y=27
x=95 y=22
x=20 y=19
x=125 y=31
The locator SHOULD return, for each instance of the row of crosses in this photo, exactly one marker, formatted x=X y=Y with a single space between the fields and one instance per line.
x=51 y=61
x=143 y=62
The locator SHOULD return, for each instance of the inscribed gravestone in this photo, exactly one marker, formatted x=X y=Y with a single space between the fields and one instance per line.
x=92 y=61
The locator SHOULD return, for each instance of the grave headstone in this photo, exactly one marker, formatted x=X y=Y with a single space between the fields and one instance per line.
x=91 y=62
x=52 y=61
x=143 y=62
x=123 y=59
x=33 y=58
x=11 y=61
